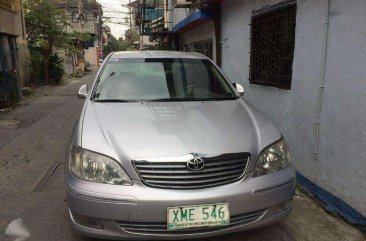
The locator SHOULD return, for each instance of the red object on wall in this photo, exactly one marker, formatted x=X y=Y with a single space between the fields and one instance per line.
x=99 y=54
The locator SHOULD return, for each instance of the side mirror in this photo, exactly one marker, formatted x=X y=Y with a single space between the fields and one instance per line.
x=83 y=92
x=239 y=88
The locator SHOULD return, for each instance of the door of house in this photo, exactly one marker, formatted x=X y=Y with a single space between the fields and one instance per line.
x=9 y=87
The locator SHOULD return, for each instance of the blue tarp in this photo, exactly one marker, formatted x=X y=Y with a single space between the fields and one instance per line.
x=199 y=15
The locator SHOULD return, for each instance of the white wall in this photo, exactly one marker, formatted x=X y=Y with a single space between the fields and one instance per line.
x=202 y=32
x=179 y=15
x=341 y=168
x=91 y=56
x=145 y=41
x=343 y=134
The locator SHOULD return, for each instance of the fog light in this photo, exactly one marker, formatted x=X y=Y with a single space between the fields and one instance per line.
x=86 y=221
x=283 y=206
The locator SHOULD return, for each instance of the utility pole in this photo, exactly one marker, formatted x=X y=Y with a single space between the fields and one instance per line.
x=101 y=30
x=130 y=10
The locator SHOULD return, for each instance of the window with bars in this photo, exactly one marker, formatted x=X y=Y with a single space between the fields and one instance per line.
x=272 y=45
x=204 y=47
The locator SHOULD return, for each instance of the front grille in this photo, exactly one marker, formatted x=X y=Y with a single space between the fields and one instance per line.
x=218 y=170
x=161 y=228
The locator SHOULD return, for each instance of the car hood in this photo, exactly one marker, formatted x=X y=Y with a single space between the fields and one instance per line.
x=171 y=129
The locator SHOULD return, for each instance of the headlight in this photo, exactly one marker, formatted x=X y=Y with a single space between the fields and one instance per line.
x=272 y=159
x=94 y=167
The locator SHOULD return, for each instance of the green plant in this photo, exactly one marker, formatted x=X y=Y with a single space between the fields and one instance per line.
x=46 y=26
x=115 y=45
x=131 y=36
x=36 y=67
x=45 y=23
x=161 y=43
x=56 y=68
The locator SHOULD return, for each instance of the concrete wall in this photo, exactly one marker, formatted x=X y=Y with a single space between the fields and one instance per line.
x=202 y=32
x=91 y=56
x=68 y=63
x=341 y=167
x=13 y=23
x=179 y=15
x=23 y=61
x=9 y=22
x=343 y=133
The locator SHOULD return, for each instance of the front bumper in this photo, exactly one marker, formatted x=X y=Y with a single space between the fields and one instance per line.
x=139 y=212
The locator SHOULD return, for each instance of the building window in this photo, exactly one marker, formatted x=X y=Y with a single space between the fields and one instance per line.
x=272 y=45
x=204 y=47
x=9 y=89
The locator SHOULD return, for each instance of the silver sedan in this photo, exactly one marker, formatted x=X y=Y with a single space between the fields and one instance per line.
x=167 y=148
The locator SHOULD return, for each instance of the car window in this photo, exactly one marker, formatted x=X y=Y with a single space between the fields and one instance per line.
x=161 y=80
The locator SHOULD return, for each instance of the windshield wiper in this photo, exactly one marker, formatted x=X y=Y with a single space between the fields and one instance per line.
x=167 y=100
x=113 y=101
x=190 y=99
x=223 y=98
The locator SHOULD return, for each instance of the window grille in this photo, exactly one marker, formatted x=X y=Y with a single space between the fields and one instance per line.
x=272 y=46
x=204 y=47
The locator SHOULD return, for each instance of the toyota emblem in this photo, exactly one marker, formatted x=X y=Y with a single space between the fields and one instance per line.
x=196 y=164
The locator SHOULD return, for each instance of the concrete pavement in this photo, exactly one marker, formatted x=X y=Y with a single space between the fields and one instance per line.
x=31 y=178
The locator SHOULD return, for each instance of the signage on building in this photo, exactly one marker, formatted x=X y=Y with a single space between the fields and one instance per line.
x=11 y=5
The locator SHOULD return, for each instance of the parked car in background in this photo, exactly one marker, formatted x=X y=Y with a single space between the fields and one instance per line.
x=167 y=148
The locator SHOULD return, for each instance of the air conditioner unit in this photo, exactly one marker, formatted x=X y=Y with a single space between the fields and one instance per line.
x=182 y=3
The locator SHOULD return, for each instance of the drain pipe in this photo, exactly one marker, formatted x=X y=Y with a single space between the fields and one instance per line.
x=170 y=18
x=170 y=15
x=321 y=94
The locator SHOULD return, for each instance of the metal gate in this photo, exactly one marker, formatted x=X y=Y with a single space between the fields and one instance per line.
x=9 y=88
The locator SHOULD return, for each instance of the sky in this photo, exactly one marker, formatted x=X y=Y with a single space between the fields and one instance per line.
x=117 y=13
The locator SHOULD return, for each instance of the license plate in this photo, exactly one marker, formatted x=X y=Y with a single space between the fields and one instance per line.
x=198 y=216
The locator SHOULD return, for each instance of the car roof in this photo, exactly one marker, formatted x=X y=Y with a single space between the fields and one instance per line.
x=157 y=54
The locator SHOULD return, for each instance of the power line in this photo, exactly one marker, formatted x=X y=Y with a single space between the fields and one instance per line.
x=107 y=6
x=115 y=10
x=114 y=17
x=120 y=23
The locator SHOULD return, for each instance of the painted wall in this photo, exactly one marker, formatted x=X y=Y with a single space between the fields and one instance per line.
x=179 y=15
x=343 y=133
x=68 y=63
x=202 y=32
x=341 y=168
x=91 y=56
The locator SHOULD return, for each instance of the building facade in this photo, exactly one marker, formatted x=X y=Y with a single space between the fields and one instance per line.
x=13 y=52
x=302 y=64
x=197 y=27
x=84 y=17
x=153 y=19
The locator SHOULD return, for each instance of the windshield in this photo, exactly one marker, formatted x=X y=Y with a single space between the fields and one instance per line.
x=177 y=79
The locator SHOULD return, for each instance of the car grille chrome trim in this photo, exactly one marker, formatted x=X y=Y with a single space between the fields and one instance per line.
x=218 y=171
x=161 y=228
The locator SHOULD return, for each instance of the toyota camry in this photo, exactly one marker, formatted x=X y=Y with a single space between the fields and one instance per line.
x=166 y=147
